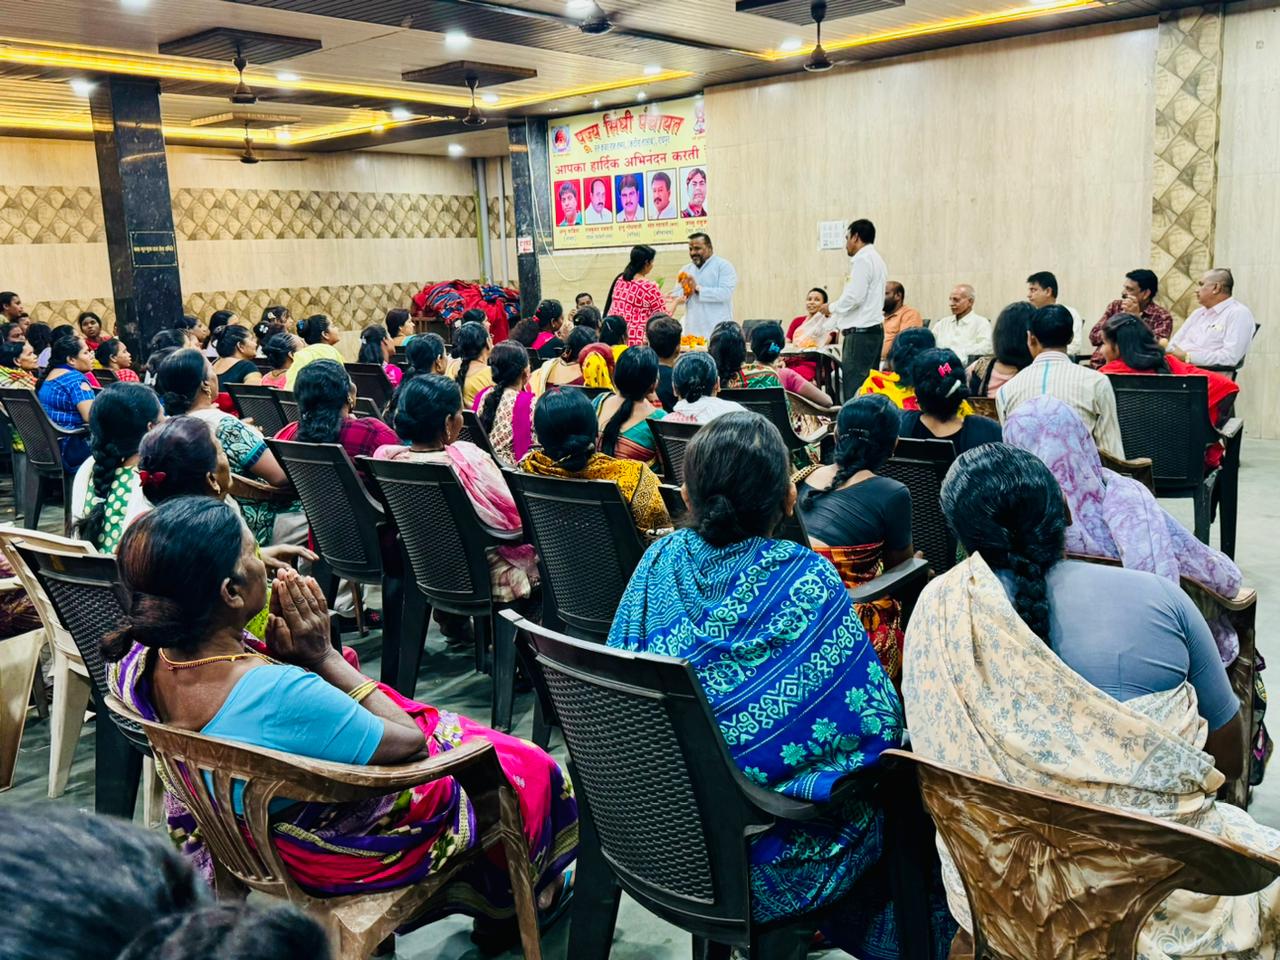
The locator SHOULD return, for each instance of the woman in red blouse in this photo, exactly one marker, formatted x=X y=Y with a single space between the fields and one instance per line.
x=804 y=333
x=634 y=297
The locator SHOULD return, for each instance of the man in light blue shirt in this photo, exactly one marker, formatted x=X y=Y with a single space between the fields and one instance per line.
x=711 y=300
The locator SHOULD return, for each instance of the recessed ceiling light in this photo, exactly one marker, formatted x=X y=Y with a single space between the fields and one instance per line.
x=287 y=76
x=652 y=70
x=81 y=87
x=456 y=150
x=455 y=39
x=135 y=4
x=791 y=44
x=283 y=136
x=580 y=8
x=400 y=113
x=642 y=95
x=379 y=128
x=490 y=98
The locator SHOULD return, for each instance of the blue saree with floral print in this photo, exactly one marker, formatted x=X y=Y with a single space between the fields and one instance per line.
x=796 y=688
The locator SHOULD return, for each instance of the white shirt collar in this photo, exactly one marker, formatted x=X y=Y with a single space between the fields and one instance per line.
x=1218 y=308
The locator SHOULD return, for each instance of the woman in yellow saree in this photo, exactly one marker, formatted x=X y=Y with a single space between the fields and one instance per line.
x=1119 y=700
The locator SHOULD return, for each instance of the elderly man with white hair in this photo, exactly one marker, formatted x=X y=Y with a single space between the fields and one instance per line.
x=965 y=332
x=1217 y=334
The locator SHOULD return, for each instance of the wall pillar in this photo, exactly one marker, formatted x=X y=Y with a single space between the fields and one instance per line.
x=531 y=197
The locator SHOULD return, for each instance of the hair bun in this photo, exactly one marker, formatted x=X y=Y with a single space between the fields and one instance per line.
x=718 y=522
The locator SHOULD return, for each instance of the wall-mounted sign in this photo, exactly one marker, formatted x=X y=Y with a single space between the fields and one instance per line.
x=153 y=248
x=524 y=245
x=622 y=177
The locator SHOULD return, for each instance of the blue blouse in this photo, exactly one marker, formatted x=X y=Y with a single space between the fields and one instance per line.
x=59 y=398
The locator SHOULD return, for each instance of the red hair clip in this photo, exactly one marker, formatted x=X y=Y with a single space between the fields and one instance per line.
x=944 y=369
x=148 y=478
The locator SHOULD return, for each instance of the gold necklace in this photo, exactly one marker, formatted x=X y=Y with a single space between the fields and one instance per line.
x=225 y=657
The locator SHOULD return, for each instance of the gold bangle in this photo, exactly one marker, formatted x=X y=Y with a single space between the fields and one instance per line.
x=361 y=691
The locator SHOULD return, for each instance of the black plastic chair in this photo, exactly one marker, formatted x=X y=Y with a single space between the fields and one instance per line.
x=593 y=392
x=89 y=600
x=1166 y=418
x=673 y=500
x=370 y=381
x=105 y=376
x=259 y=403
x=44 y=454
x=365 y=407
x=352 y=536
x=445 y=545
x=668 y=816
x=773 y=404
x=1228 y=370
x=288 y=405
x=922 y=465
x=473 y=431
x=671 y=439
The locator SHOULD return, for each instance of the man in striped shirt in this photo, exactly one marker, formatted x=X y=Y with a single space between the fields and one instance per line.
x=1052 y=372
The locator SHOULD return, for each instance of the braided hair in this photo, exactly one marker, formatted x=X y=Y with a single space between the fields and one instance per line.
x=508 y=362
x=1004 y=504
x=866 y=433
x=728 y=349
x=471 y=340
x=641 y=257
x=180 y=378
x=737 y=474
x=279 y=349
x=565 y=424
x=694 y=376
x=634 y=378
x=323 y=391
x=118 y=419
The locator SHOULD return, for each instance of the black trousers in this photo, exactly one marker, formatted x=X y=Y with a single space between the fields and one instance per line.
x=859 y=356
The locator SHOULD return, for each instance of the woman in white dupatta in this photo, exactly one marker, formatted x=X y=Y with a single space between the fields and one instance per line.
x=984 y=691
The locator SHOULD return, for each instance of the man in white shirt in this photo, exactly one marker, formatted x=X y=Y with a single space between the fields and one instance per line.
x=1042 y=291
x=1218 y=334
x=629 y=209
x=965 y=332
x=710 y=297
x=858 y=313
x=596 y=211
x=1053 y=373
x=660 y=194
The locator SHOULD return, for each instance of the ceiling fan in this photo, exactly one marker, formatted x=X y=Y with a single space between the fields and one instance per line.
x=474 y=117
x=818 y=60
x=248 y=155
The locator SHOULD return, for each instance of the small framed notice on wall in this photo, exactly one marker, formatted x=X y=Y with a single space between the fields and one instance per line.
x=831 y=234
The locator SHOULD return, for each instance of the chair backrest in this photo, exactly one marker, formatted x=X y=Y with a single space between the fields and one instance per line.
x=105 y=376
x=770 y=403
x=922 y=465
x=259 y=403
x=288 y=405
x=667 y=806
x=367 y=408
x=89 y=601
x=671 y=439
x=9 y=536
x=344 y=519
x=1165 y=418
x=984 y=406
x=370 y=381
x=792 y=528
x=473 y=431
x=1041 y=869
x=33 y=425
x=442 y=536
x=587 y=546
x=593 y=392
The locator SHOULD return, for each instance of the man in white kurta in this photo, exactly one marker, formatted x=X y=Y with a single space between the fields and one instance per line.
x=714 y=280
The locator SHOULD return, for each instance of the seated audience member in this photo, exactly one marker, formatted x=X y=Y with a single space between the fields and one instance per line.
x=584 y=362
x=113 y=355
x=1138 y=298
x=1219 y=331
x=624 y=415
x=663 y=333
x=66 y=393
x=525 y=333
x=567 y=430
x=966 y=333
x=187 y=386
x=194 y=577
x=747 y=637
x=118 y=892
x=10 y=306
x=633 y=297
x=263 y=331
x=197 y=333
x=56 y=334
x=767 y=344
x=939 y=379
x=476 y=315
x=12 y=333
x=163 y=345
x=106 y=493
x=587 y=316
x=326 y=397
x=237 y=347
x=470 y=363
x=988 y=375
x=728 y=348
x=1055 y=374
x=550 y=316
x=426 y=353
x=897 y=316
x=613 y=334
x=583 y=300
x=320 y=337
x=18 y=365
x=1042 y=291
x=90 y=325
x=859 y=521
x=429 y=419
x=505 y=409
x=280 y=350
x=217 y=321
x=807 y=332
x=1121 y=697
x=1129 y=346
x=895 y=382
x=696 y=381
x=400 y=327
x=376 y=347
x=38 y=335
x=275 y=319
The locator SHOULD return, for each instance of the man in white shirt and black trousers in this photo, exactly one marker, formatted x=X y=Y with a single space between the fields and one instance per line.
x=858 y=313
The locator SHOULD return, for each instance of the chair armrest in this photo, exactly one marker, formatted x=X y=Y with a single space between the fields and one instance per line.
x=803 y=406
x=1139 y=468
x=506 y=536
x=860 y=785
x=247 y=488
x=1221 y=367
x=1246 y=598
x=74 y=432
x=891 y=581
x=1231 y=429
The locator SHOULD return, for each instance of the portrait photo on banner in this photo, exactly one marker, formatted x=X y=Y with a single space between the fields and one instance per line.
x=693 y=191
x=629 y=192
x=569 y=203
x=662 y=195
x=599 y=201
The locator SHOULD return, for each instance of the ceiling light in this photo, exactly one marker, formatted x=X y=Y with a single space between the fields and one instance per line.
x=595 y=104
x=400 y=113
x=135 y=4
x=642 y=96
x=81 y=87
x=580 y=8
x=287 y=76
x=490 y=98
x=379 y=128
x=457 y=150
x=791 y=45
x=455 y=39
x=283 y=136
x=652 y=70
